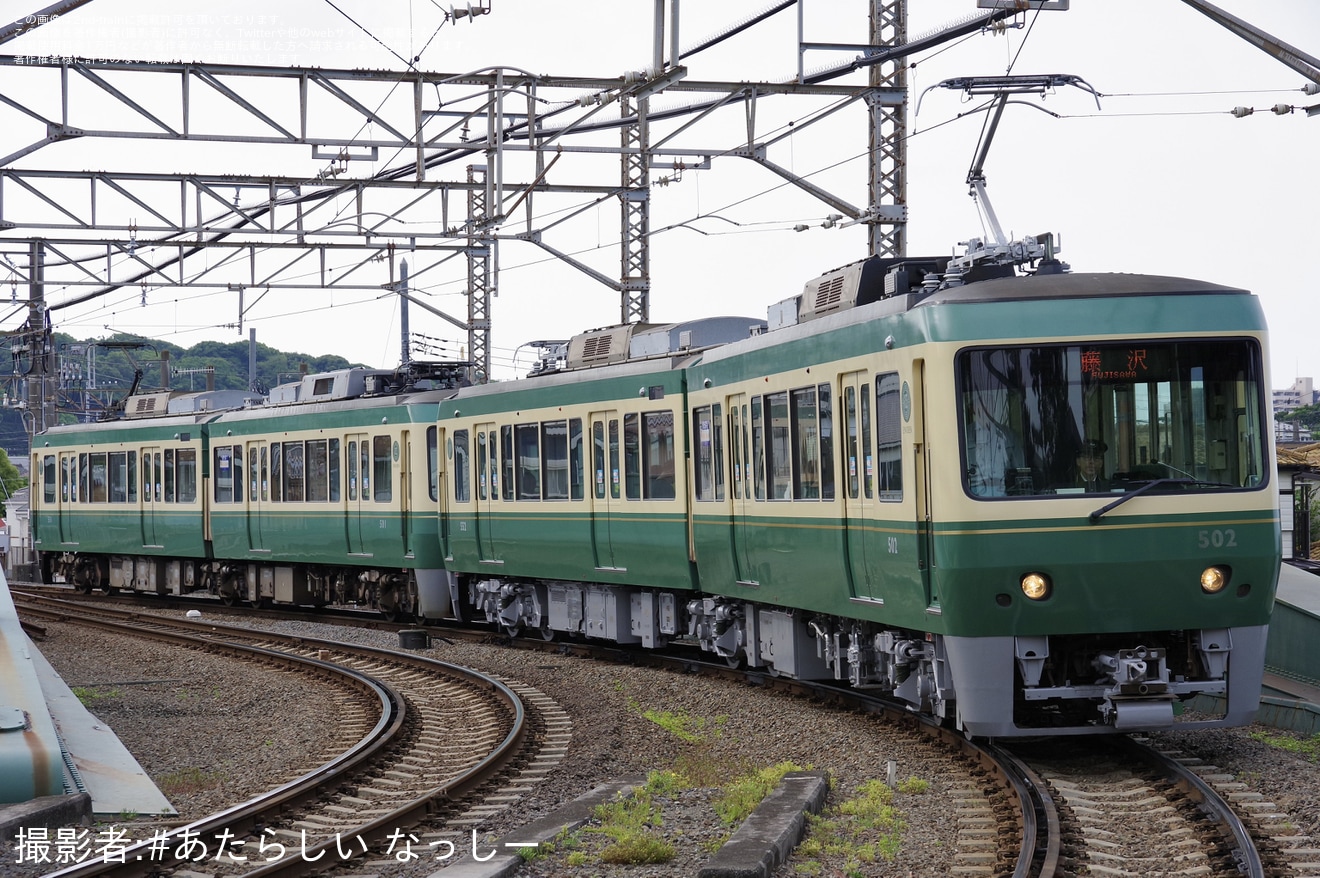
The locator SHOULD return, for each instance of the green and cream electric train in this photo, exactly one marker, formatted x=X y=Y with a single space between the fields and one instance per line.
x=1026 y=504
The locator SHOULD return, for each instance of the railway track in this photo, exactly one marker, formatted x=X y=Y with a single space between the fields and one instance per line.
x=1057 y=808
x=404 y=773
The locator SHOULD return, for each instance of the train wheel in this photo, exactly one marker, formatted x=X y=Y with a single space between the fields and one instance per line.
x=734 y=661
x=547 y=633
x=511 y=630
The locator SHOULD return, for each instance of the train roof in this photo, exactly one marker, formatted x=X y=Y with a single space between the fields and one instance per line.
x=1080 y=286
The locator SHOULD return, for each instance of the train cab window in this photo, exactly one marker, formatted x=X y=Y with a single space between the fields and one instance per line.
x=529 y=462
x=1110 y=417
x=554 y=459
x=381 y=468
x=889 y=437
x=658 y=448
x=185 y=475
x=48 y=479
x=462 y=480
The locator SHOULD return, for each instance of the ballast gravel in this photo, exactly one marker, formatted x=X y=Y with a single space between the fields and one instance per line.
x=213 y=731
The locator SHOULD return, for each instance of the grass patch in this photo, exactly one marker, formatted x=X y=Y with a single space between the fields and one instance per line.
x=693 y=729
x=743 y=795
x=87 y=695
x=631 y=824
x=1307 y=748
x=189 y=780
x=863 y=830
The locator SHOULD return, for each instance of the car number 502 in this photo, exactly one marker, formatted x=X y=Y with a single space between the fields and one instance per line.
x=1216 y=539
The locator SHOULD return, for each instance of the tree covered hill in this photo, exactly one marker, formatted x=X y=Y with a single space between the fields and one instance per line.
x=115 y=359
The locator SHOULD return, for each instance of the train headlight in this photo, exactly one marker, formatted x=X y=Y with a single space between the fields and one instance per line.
x=1214 y=579
x=1036 y=586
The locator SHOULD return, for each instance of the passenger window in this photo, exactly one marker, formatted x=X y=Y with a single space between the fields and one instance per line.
x=632 y=458
x=658 y=439
x=224 y=474
x=529 y=463
x=382 y=471
x=554 y=460
x=889 y=436
x=461 y=489
x=48 y=490
x=577 y=477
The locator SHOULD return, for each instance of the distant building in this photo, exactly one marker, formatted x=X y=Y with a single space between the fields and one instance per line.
x=1301 y=393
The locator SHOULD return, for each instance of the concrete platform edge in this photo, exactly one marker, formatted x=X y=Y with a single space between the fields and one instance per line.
x=768 y=836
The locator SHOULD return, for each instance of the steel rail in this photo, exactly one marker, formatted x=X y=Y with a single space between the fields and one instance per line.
x=245 y=816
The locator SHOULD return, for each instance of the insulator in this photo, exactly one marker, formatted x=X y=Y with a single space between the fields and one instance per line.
x=1282 y=109
x=1242 y=112
x=1311 y=88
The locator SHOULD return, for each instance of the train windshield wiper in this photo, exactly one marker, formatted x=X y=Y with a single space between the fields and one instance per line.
x=1099 y=513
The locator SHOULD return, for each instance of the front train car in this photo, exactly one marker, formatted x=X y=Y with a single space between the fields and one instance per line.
x=1103 y=525
x=1025 y=505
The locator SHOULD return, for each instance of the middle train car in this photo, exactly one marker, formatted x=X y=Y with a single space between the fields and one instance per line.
x=1026 y=505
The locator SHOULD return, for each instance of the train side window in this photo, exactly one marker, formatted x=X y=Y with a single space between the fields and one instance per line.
x=494 y=466
x=317 y=453
x=224 y=474
x=576 y=475
x=381 y=472
x=779 y=450
x=352 y=471
x=510 y=459
x=632 y=457
x=185 y=476
x=850 y=439
x=758 y=448
x=805 y=424
x=868 y=458
x=99 y=477
x=277 y=472
x=717 y=422
x=68 y=476
x=333 y=464
x=433 y=462
x=116 y=474
x=554 y=459
x=462 y=489
x=265 y=475
x=146 y=467
x=704 y=472
x=529 y=462
x=598 y=458
x=238 y=473
x=826 y=442
x=481 y=465
x=295 y=472
x=169 y=474
x=658 y=447
x=614 y=458
x=48 y=489
x=735 y=450
x=889 y=436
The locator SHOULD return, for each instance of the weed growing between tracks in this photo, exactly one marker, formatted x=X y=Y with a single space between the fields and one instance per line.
x=1308 y=748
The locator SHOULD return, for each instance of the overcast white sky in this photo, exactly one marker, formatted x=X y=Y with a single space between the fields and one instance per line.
x=1160 y=179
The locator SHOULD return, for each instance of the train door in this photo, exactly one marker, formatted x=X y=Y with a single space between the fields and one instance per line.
x=606 y=475
x=740 y=495
x=256 y=474
x=68 y=496
x=359 y=491
x=488 y=489
x=862 y=538
x=152 y=495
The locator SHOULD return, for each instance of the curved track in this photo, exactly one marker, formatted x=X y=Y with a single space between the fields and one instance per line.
x=406 y=766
